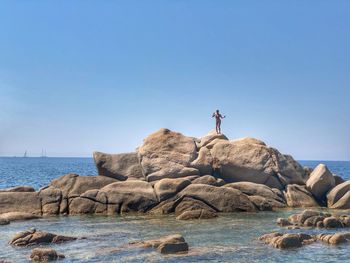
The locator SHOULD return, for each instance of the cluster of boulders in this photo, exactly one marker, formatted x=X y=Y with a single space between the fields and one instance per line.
x=193 y=178
x=296 y=240
x=310 y=218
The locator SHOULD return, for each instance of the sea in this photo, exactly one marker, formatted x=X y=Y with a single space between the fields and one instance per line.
x=228 y=238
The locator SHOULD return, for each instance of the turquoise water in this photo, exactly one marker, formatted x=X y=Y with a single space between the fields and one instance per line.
x=229 y=238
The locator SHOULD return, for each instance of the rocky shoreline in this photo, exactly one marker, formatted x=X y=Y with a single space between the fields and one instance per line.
x=192 y=178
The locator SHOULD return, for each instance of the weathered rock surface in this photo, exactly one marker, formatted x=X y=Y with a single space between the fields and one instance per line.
x=321 y=180
x=251 y=160
x=298 y=196
x=287 y=241
x=119 y=166
x=45 y=255
x=18 y=189
x=167 y=154
x=209 y=180
x=20 y=202
x=36 y=237
x=166 y=188
x=197 y=214
x=259 y=191
x=334 y=239
x=339 y=196
x=222 y=199
x=166 y=245
x=16 y=216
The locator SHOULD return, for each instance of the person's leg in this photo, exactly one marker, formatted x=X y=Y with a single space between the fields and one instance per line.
x=217 y=127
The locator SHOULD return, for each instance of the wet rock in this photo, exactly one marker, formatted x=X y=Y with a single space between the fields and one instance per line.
x=321 y=180
x=283 y=222
x=45 y=255
x=4 y=221
x=167 y=154
x=166 y=245
x=334 y=239
x=299 y=196
x=119 y=166
x=287 y=241
x=36 y=237
x=332 y=222
x=209 y=180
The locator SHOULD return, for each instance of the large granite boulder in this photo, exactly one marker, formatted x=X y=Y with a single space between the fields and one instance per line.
x=275 y=198
x=51 y=198
x=222 y=199
x=209 y=138
x=71 y=186
x=118 y=197
x=167 y=154
x=339 y=196
x=298 y=196
x=166 y=188
x=36 y=237
x=28 y=202
x=251 y=160
x=119 y=166
x=320 y=181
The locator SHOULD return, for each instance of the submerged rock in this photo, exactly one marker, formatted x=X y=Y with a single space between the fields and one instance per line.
x=45 y=255
x=36 y=237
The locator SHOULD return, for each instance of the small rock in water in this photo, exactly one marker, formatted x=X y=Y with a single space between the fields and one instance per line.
x=4 y=221
x=286 y=241
x=36 y=237
x=165 y=245
x=45 y=255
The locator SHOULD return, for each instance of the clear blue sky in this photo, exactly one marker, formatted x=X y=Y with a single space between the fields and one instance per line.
x=78 y=76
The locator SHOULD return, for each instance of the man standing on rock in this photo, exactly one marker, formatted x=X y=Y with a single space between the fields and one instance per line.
x=218 y=118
